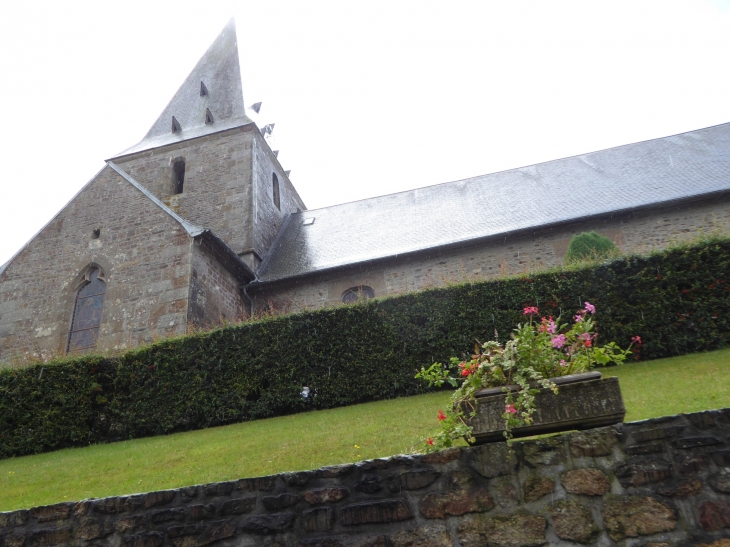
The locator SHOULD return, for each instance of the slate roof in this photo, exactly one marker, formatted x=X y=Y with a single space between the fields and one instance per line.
x=220 y=72
x=660 y=171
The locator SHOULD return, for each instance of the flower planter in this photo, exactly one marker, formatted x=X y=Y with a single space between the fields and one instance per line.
x=584 y=401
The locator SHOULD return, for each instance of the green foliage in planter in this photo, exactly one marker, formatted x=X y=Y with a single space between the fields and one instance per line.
x=678 y=301
x=590 y=245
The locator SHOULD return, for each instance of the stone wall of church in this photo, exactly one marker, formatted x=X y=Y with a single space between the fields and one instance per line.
x=217 y=188
x=269 y=218
x=214 y=294
x=142 y=251
x=228 y=184
x=639 y=232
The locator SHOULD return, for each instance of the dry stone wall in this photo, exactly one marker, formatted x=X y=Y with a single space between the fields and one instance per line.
x=658 y=483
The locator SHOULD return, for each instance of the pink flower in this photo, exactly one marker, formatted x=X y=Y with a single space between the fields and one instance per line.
x=551 y=327
x=590 y=308
x=636 y=339
x=510 y=409
x=578 y=318
x=563 y=363
x=530 y=310
x=558 y=341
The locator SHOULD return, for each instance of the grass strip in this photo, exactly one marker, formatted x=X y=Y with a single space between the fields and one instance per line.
x=651 y=389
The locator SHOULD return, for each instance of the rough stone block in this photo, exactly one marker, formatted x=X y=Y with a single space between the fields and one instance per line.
x=686 y=443
x=720 y=482
x=330 y=494
x=544 y=452
x=334 y=471
x=219 y=488
x=655 y=433
x=144 y=539
x=212 y=531
x=318 y=520
x=47 y=513
x=201 y=511
x=48 y=537
x=91 y=528
x=16 y=539
x=300 y=478
x=521 y=530
x=258 y=484
x=166 y=515
x=456 y=502
x=414 y=479
x=16 y=518
x=637 y=516
x=493 y=460
x=442 y=457
x=155 y=499
x=573 y=521
x=537 y=487
x=111 y=506
x=639 y=473
x=686 y=489
x=597 y=442
x=129 y=524
x=238 y=506
x=268 y=524
x=427 y=536
x=391 y=510
x=714 y=515
x=642 y=449
x=370 y=484
x=282 y=501
x=588 y=482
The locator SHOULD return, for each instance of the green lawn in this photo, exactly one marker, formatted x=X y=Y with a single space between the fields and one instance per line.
x=311 y=440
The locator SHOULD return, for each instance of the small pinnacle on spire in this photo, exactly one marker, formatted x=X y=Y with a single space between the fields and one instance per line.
x=176 y=125
x=287 y=173
x=256 y=107
x=203 y=89
x=208 y=117
x=276 y=153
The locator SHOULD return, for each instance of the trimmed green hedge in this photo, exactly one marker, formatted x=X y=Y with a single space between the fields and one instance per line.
x=677 y=301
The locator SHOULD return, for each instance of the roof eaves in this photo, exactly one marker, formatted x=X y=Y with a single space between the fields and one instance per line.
x=485 y=238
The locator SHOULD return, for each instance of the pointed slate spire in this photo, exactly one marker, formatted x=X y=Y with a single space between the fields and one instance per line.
x=214 y=85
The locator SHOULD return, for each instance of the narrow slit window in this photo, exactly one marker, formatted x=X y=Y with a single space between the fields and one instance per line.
x=87 y=312
x=178 y=178
x=275 y=190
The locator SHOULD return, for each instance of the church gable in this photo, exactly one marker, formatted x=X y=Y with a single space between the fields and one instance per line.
x=113 y=230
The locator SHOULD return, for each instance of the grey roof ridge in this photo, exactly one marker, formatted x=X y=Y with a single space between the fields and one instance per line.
x=4 y=266
x=478 y=240
x=274 y=246
x=193 y=230
x=190 y=228
x=517 y=168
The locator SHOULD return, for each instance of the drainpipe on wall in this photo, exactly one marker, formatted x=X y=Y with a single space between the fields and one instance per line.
x=245 y=295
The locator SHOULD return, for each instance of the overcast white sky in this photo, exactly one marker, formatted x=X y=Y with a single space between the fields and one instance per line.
x=368 y=97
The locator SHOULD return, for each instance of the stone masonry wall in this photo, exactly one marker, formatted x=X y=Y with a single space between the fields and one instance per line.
x=217 y=189
x=269 y=219
x=633 y=233
x=659 y=483
x=142 y=250
x=214 y=294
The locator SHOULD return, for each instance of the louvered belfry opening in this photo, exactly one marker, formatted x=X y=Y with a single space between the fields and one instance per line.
x=275 y=190
x=87 y=312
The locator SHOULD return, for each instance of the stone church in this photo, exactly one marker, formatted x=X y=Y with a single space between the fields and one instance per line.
x=198 y=224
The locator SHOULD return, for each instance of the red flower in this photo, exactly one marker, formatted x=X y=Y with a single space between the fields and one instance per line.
x=530 y=310
x=441 y=416
x=429 y=441
x=636 y=339
x=150 y=367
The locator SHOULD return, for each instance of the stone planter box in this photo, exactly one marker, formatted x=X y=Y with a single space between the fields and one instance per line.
x=584 y=401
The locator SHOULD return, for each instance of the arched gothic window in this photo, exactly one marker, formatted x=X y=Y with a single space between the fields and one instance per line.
x=355 y=294
x=87 y=311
